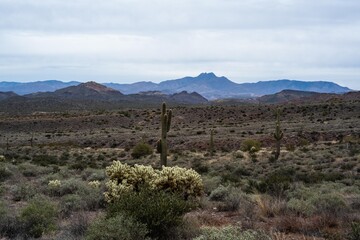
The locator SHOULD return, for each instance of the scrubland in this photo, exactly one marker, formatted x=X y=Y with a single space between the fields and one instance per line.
x=53 y=174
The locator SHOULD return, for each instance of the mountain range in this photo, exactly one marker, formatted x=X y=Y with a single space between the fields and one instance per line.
x=206 y=84
x=90 y=96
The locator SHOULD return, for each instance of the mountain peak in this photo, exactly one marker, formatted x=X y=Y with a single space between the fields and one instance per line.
x=207 y=75
x=95 y=86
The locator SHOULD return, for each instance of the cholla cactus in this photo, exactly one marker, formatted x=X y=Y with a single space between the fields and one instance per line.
x=94 y=184
x=54 y=187
x=54 y=183
x=124 y=178
x=179 y=180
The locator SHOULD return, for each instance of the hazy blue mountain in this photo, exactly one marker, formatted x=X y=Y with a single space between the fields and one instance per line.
x=32 y=87
x=274 y=86
x=213 y=87
x=206 y=84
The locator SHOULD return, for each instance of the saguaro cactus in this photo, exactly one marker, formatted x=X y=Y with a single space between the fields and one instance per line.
x=278 y=135
x=165 y=127
x=211 y=143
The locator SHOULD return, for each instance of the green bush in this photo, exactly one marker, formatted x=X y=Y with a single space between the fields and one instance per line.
x=158 y=210
x=248 y=144
x=117 y=227
x=141 y=149
x=219 y=193
x=354 y=234
x=323 y=199
x=231 y=233
x=70 y=203
x=44 y=160
x=9 y=226
x=22 y=192
x=5 y=172
x=232 y=201
x=38 y=217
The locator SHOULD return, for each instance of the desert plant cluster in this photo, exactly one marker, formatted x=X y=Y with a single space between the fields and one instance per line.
x=218 y=172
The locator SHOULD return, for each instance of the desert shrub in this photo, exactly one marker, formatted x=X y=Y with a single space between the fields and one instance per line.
x=301 y=207
x=124 y=178
x=31 y=170
x=232 y=201
x=199 y=166
x=322 y=199
x=79 y=224
x=117 y=227
x=5 y=172
x=141 y=149
x=79 y=165
x=220 y=193
x=158 y=210
x=38 y=217
x=269 y=206
x=329 y=204
x=93 y=198
x=231 y=233
x=229 y=196
x=9 y=226
x=354 y=233
x=210 y=183
x=93 y=174
x=72 y=186
x=44 y=160
x=70 y=203
x=249 y=144
x=22 y=192
x=275 y=183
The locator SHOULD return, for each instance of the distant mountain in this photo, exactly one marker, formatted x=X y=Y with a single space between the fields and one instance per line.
x=91 y=96
x=302 y=96
x=206 y=84
x=286 y=96
x=32 y=87
x=88 y=90
x=188 y=98
x=213 y=87
x=5 y=95
x=275 y=86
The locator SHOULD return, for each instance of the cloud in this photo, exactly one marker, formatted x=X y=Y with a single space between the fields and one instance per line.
x=124 y=41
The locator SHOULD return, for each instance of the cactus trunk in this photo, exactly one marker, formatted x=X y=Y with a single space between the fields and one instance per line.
x=278 y=135
x=165 y=127
x=211 y=145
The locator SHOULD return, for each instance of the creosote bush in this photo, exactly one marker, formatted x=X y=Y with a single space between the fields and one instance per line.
x=124 y=178
x=231 y=233
x=118 y=227
x=38 y=217
x=161 y=212
x=141 y=149
x=250 y=145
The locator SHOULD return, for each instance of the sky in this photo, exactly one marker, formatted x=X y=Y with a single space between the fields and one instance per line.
x=126 y=41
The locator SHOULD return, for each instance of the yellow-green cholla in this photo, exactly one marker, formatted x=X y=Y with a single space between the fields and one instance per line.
x=124 y=178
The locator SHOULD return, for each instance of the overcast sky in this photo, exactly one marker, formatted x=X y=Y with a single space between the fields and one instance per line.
x=144 y=40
